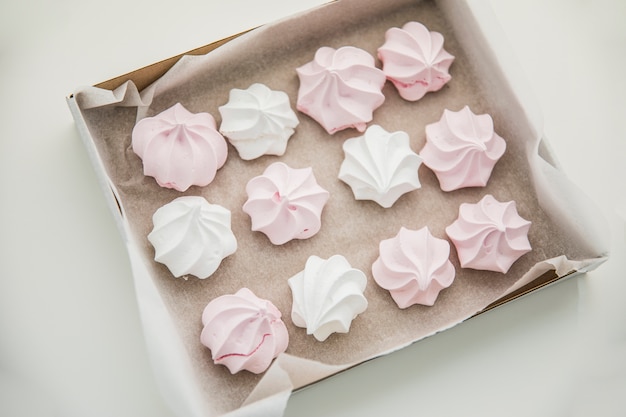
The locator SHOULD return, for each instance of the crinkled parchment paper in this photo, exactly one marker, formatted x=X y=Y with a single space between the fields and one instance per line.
x=171 y=308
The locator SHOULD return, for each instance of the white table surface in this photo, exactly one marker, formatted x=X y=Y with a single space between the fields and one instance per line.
x=70 y=338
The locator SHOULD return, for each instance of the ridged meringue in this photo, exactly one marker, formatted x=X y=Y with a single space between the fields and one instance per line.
x=340 y=88
x=414 y=60
x=327 y=296
x=489 y=235
x=243 y=331
x=192 y=236
x=380 y=166
x=258 y=121
x=179 y=148
x=414 y=266
x=462 y=149
x=285 y=203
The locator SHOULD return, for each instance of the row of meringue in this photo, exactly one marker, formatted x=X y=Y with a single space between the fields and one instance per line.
x=192 y=236
x=341 y=88
x=414 y=266
x=461 y=149
x=246 y=332
x=180 y=149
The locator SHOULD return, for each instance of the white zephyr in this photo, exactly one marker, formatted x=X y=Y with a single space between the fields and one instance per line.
x=192 y=236
x=258 y=121
x=327 y=296
x=380 y=166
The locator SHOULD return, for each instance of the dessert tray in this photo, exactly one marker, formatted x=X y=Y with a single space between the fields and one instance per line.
x=566 y=236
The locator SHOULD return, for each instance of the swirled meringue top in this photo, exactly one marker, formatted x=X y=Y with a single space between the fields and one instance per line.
x=414 y=60
x=285 y=203
x=489 y=235
x=414 y=266
x=380 y=166
x=179 y=148
x=327 y=296
x=192 y=236
x=462 y=149
x=243 y=331
x=340 y=88
x=258 y=121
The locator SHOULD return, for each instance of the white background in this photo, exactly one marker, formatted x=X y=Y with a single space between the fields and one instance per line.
x=70 y=338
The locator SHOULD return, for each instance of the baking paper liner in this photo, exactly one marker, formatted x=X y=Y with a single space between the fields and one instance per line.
x=566 y=234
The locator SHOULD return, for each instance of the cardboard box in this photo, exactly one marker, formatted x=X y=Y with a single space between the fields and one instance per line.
x=567 y=237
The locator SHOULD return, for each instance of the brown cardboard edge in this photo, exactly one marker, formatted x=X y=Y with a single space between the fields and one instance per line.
x=547 y=278
x=145 y=76
x=543 y=280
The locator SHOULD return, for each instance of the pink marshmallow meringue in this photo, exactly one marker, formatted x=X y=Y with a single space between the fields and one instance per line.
x=462 y=149
x=489 y=235
x=414 y=60
x=340 y=88
x=414 y=267
x=243 y=332
x=285 y=203
x=179 y=148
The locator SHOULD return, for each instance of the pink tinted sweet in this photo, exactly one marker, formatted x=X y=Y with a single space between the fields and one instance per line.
x=414 y=267
x=243 y=332
x=285 y=203
x=462 y=149
x=179 y=148
x=415 y=61
x=489 y=235
x=340 y=88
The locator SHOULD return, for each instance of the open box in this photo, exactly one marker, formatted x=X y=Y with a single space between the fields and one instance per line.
x=565 y=236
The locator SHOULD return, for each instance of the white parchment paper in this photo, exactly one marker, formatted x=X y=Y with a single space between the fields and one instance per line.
x=567 y=232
